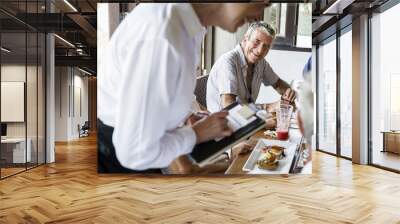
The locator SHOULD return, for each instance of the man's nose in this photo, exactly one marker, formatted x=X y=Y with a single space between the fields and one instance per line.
x=259 y=49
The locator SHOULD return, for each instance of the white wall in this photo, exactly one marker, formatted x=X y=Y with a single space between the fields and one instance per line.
x=12 y=73
x=33 y=126
x=61 y=103
x=288 y=65
x=79 y=117
x=83 y=84
x=71 y=93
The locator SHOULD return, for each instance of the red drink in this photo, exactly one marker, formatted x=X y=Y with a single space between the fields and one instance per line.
x=282 y=135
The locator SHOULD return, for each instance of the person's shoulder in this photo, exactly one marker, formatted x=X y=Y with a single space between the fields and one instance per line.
x=138 y=22
x=155 y=22
x=232 y=55
x=154 y=17
x=157 y=12
x=264 y=64
x=229 y=58
x=226 y=62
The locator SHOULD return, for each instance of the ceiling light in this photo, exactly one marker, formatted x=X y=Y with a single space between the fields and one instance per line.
x=65 y=41
x=84 y=71
x=80 y=51
x=5 y=50
x=70 y=5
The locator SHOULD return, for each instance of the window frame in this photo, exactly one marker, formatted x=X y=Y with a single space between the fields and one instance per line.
x=379 y=10
x=334 y=37
x=288 y=41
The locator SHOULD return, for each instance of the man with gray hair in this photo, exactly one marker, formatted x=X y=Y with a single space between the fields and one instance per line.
x=237 y=75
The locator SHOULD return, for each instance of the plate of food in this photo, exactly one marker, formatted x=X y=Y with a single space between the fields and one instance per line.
x=270 y=157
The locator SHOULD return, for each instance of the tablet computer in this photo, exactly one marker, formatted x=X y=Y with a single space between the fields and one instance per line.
x=243 y=119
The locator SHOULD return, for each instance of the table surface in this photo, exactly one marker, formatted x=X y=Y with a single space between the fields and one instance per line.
x=238 y=163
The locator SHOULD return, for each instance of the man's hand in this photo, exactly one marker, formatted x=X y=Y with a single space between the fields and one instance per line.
x=242 y=148
x=211 y=127
x=195 y=117
x=272 y=107
x=289 y=96
x=271 y=123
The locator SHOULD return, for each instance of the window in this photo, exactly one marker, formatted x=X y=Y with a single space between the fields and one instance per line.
x=335 y=74
x=327 y=97
x=276 y=16
x=385 y=88
x=346 y=94
x=282 y=17
x=304 y=26
x=292 y=23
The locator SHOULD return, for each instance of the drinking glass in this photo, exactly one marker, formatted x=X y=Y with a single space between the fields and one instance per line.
x=284 y=114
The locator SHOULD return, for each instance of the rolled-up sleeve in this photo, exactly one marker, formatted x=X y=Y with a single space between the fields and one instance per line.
x=141 y=137
x=269 y=76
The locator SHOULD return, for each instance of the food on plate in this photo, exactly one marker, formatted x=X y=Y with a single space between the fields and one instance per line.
x=262 y=164
x=270 y=134
x=278 y=151
x=269 y=161
x=270 y=156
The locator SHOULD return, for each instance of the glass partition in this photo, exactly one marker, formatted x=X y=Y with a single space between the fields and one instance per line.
x=22 y=88
x=13 y=105
x=327 y=96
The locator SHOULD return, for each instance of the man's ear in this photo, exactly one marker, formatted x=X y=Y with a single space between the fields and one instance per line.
x=245 y=39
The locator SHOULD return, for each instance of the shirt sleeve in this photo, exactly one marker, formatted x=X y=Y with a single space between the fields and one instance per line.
x=227 y=82
x=151 y=75
x=269 y=76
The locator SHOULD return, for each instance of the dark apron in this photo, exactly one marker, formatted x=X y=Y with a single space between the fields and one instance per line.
x=107 y=161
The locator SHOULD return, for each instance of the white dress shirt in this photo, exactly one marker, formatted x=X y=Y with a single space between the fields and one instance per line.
x=147 y=81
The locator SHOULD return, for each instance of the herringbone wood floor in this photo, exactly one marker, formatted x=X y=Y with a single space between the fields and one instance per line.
x=70 y=191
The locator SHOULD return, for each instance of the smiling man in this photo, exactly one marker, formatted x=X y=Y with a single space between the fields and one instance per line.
x=237 y=75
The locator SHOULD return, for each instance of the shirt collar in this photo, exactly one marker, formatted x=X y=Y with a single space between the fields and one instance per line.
x=243 y=62
x=190 y=20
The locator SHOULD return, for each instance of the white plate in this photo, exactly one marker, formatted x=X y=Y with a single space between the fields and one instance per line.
x=256 y=154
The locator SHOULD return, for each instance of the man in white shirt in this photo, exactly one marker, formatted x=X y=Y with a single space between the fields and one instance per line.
x=238 y=74
x=147 y=82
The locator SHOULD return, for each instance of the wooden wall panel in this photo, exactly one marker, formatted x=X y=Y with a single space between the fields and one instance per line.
x=92 y=83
